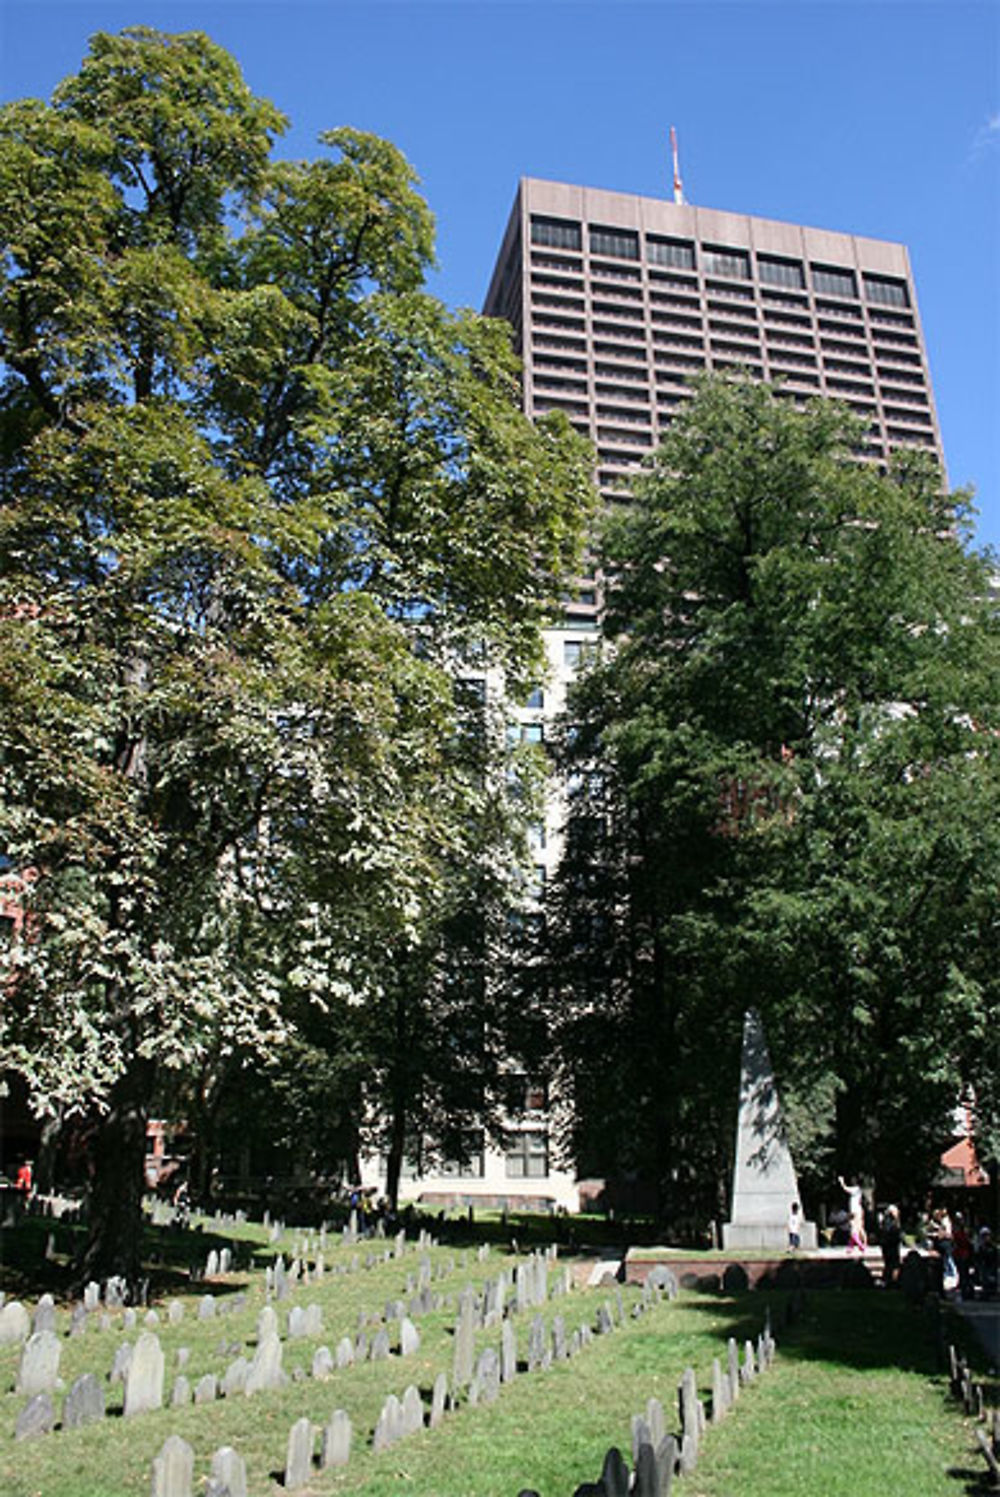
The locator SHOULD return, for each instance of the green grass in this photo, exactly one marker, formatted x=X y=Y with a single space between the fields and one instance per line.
x=856 y=1401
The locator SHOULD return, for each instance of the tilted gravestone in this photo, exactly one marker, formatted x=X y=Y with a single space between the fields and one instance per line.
x=84 y=1403
x=173 y=1469
x=39 y=1368
x=298 y=1460
x=229 y=1471
x=36 y=1418
x=335 y=1449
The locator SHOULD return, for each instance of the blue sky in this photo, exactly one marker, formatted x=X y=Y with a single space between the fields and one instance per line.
x=879 y=118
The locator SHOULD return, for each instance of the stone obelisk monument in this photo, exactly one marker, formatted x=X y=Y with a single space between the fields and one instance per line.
x=764 y=1184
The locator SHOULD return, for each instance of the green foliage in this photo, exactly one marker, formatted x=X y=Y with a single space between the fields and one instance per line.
x=800 y=721
x=262 y=496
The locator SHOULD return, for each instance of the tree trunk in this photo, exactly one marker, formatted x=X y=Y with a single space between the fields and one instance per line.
x=114 y=1242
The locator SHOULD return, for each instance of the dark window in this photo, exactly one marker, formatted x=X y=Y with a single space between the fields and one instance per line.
x=466 y=1159
x=830 y=281
x=778 y=272
x=557 y=233
x=676 y=252
x=887 y=290
x=624 y=243
x=716 y=260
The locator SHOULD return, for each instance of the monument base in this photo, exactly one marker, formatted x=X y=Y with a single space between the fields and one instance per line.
x=736 y=1236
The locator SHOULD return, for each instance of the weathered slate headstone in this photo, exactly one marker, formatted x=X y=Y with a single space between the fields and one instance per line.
x=39 y=1366
x=733 y=1369
x=206 y=1389
x=234 y=1379
x=173 y=1469
x=175 y=1311
x=84 y=1403
x=655 y=1420
x=322 y=1363
x=614 y=1473
x=120 y=1362
x=647 y=1473
x=380 y=1345
x=265 y=1369
x=298 y=1460
x=78 y=1321
x=335 y=1449
x=344 y=1354
x=734 y=1279
x=267 y=1323
x=559 y=1352
x=229 y=1471
x=36 y=1418
x=144 y=1377
x=409 y=1338
x=720 y=1401
x=181 y=1395
x=537 y=1349
x=312 y=1321
x=91 y=1295
x=206 y=1307
x=296 y=1323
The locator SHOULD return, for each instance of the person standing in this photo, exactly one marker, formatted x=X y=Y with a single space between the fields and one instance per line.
x=794 y=1227
x=890 y=1239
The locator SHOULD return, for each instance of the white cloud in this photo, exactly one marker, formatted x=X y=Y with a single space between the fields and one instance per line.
x=987 y=137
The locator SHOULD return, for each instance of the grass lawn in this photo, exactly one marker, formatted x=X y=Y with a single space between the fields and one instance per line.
x=856 y=1401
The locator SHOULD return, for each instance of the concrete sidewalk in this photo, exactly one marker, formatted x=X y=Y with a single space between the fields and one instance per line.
x=985 y=1316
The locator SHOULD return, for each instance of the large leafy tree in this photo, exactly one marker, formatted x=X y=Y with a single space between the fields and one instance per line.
x=787 y=777
x=261 y=495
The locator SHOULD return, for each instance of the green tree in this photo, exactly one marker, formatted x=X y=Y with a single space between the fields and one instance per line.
x=259 y=494
x=798 y=727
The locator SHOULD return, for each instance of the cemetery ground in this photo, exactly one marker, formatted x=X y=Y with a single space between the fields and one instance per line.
x=856 y=1400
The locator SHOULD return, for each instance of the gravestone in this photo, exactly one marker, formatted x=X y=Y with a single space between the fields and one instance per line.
x=413 y=1411
x=380 y=1345
x=144 y=1377
x=537 y=1349
x=614 y=1473
x=344 y=1354
x=508 y=1352
x=120 y=1363
x=91 y=1295
x=335 y=1448
x=647 y=1473
x=84 y=1403
x=389 y=1425
x=128 y=1319
x=296 y=1323
x=605 y=1324
x=234 y=1379
x=764 y=1182
x=322 y=1363
x=409 y=1337
x=173 y=1469
x=439 y=1398
x=298 y=1459
x=735 y=1279
x=666 y=1463
x=39 y=1367
x=663 y=1279
x=656 y=1421
x=181 y=1395
x=720 y=1402
x=78 y=1321
x=485 y=1385
x=265 y=1369
x=229 y=1471
x=267 y=1323
x=206 y=1389
x=641 y=1435
x=36 y=1418
x=175 y=1312
x=150 y=1319
x=206 y=1307
x=44 y=1318
x=559 y=1352
x=15 y=1323
x=732 y=1370
x=465 y=1345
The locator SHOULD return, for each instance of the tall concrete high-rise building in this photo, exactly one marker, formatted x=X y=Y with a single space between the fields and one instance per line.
x=617 y=302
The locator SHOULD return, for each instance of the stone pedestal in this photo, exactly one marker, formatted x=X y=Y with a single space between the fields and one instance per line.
x=764 y=1183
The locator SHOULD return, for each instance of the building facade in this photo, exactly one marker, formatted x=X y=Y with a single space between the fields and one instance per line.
x=618 y=302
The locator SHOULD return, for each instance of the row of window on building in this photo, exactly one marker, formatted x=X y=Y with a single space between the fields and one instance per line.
x=718 y=260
